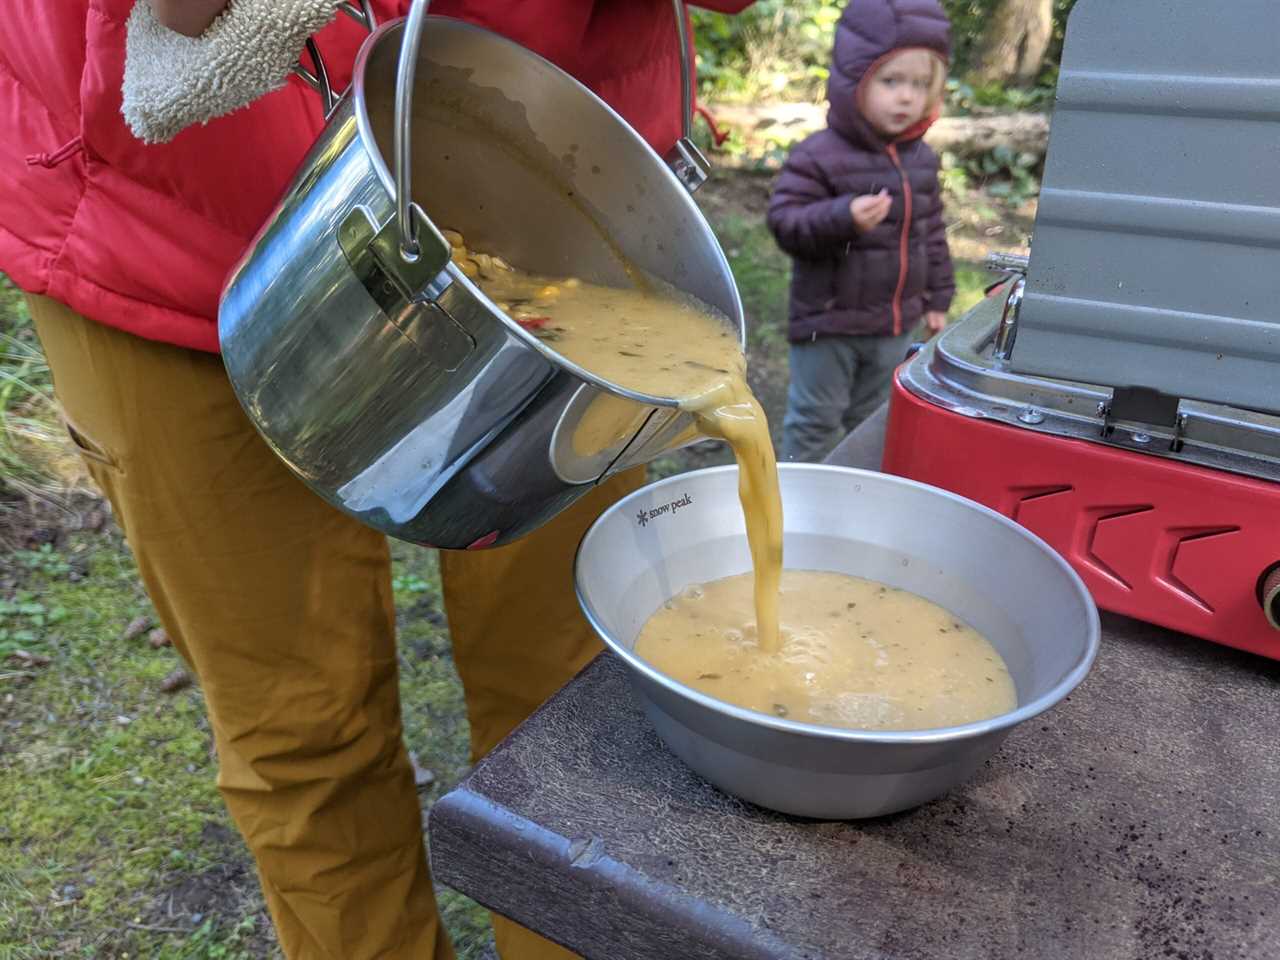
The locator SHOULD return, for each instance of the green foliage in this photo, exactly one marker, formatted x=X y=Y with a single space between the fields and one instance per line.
x=971 y=286
x=407 y=583
x=1004 y=173
x=780 y=50
x=774 y=49
x=23 y=620
x=964 y=98
x=969 y=19
x=953 y=177
x=219 y=941
x=44 y=559
x=763 y=273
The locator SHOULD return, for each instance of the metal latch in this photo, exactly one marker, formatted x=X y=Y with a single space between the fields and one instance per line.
x=1144 y=407
x=1001 y=262
x=688 y=164
x=372 y=249
x=406 y=291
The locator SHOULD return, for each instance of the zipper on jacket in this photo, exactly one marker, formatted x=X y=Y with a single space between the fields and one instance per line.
x=904 y=244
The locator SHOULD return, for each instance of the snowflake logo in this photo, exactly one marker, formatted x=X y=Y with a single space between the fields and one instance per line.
x=642 y=517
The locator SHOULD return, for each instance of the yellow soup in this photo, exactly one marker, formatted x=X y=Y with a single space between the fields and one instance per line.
x=653 y=343
x=853 y=654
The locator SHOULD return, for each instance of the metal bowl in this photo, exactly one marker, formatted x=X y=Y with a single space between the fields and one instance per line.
x=985 y=569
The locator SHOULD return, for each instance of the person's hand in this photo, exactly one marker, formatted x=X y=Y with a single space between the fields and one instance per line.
x=187 y=17
x=870 y=210
x=935 y=320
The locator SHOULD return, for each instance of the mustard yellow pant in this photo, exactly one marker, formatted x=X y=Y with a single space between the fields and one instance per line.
x=283 y=608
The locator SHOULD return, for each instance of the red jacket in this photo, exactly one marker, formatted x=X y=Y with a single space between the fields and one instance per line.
x=141 y=237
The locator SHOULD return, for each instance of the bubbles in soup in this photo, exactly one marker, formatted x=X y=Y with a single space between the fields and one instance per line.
x=853 y=653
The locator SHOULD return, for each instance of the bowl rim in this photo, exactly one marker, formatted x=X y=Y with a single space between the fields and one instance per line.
x=938 y=735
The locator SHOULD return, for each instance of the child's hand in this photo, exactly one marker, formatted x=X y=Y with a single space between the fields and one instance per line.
x=870 y=210
x=935 y=320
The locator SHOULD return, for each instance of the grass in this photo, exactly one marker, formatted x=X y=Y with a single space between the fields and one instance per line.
x=30 y=456
x=113 y=839
x=106 y=787
x=763 y=273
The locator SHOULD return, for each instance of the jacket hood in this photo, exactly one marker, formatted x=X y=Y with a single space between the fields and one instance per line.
x=868 y=32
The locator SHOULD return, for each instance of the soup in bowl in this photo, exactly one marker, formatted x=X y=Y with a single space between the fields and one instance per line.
x=987 y=573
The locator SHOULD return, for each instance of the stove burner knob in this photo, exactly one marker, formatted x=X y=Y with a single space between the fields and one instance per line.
x=1269 y=595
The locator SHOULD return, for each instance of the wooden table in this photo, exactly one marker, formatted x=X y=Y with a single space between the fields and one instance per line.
x=1139 y=819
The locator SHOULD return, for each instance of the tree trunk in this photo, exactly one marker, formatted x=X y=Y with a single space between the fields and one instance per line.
x=762 y=127
x=1014 y=45
x=970 y=137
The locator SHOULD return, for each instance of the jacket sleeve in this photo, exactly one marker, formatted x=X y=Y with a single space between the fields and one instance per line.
x=942 y=276
x=805 y=218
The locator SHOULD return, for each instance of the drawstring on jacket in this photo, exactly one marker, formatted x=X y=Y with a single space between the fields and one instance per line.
x=51 y=160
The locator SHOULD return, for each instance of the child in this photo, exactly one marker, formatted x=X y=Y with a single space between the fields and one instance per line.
x=859 y=209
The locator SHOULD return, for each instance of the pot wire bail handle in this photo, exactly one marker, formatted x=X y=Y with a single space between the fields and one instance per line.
x=416 y=229
x=407 y=211
x=685 y=159
x=412 y=221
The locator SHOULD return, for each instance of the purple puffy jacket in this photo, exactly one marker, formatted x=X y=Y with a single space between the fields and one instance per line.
x=883 y=281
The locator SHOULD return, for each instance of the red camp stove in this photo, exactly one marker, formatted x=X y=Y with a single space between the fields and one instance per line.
x=1119 y=394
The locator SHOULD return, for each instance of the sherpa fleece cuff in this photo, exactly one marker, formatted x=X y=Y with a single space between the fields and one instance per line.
x=172 y=81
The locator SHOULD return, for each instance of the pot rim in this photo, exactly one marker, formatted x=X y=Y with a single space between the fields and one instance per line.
x=368 y=142
x=938 y=735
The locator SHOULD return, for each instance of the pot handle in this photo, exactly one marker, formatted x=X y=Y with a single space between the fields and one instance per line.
x=408 y=213
x=317 y=78
x=410 y=218
x=685 y=159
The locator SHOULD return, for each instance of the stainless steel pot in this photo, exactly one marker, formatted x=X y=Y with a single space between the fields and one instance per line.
x=376 y=370
x=995 y=575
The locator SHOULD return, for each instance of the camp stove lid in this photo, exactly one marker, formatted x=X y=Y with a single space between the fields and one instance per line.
x=1156 y=257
